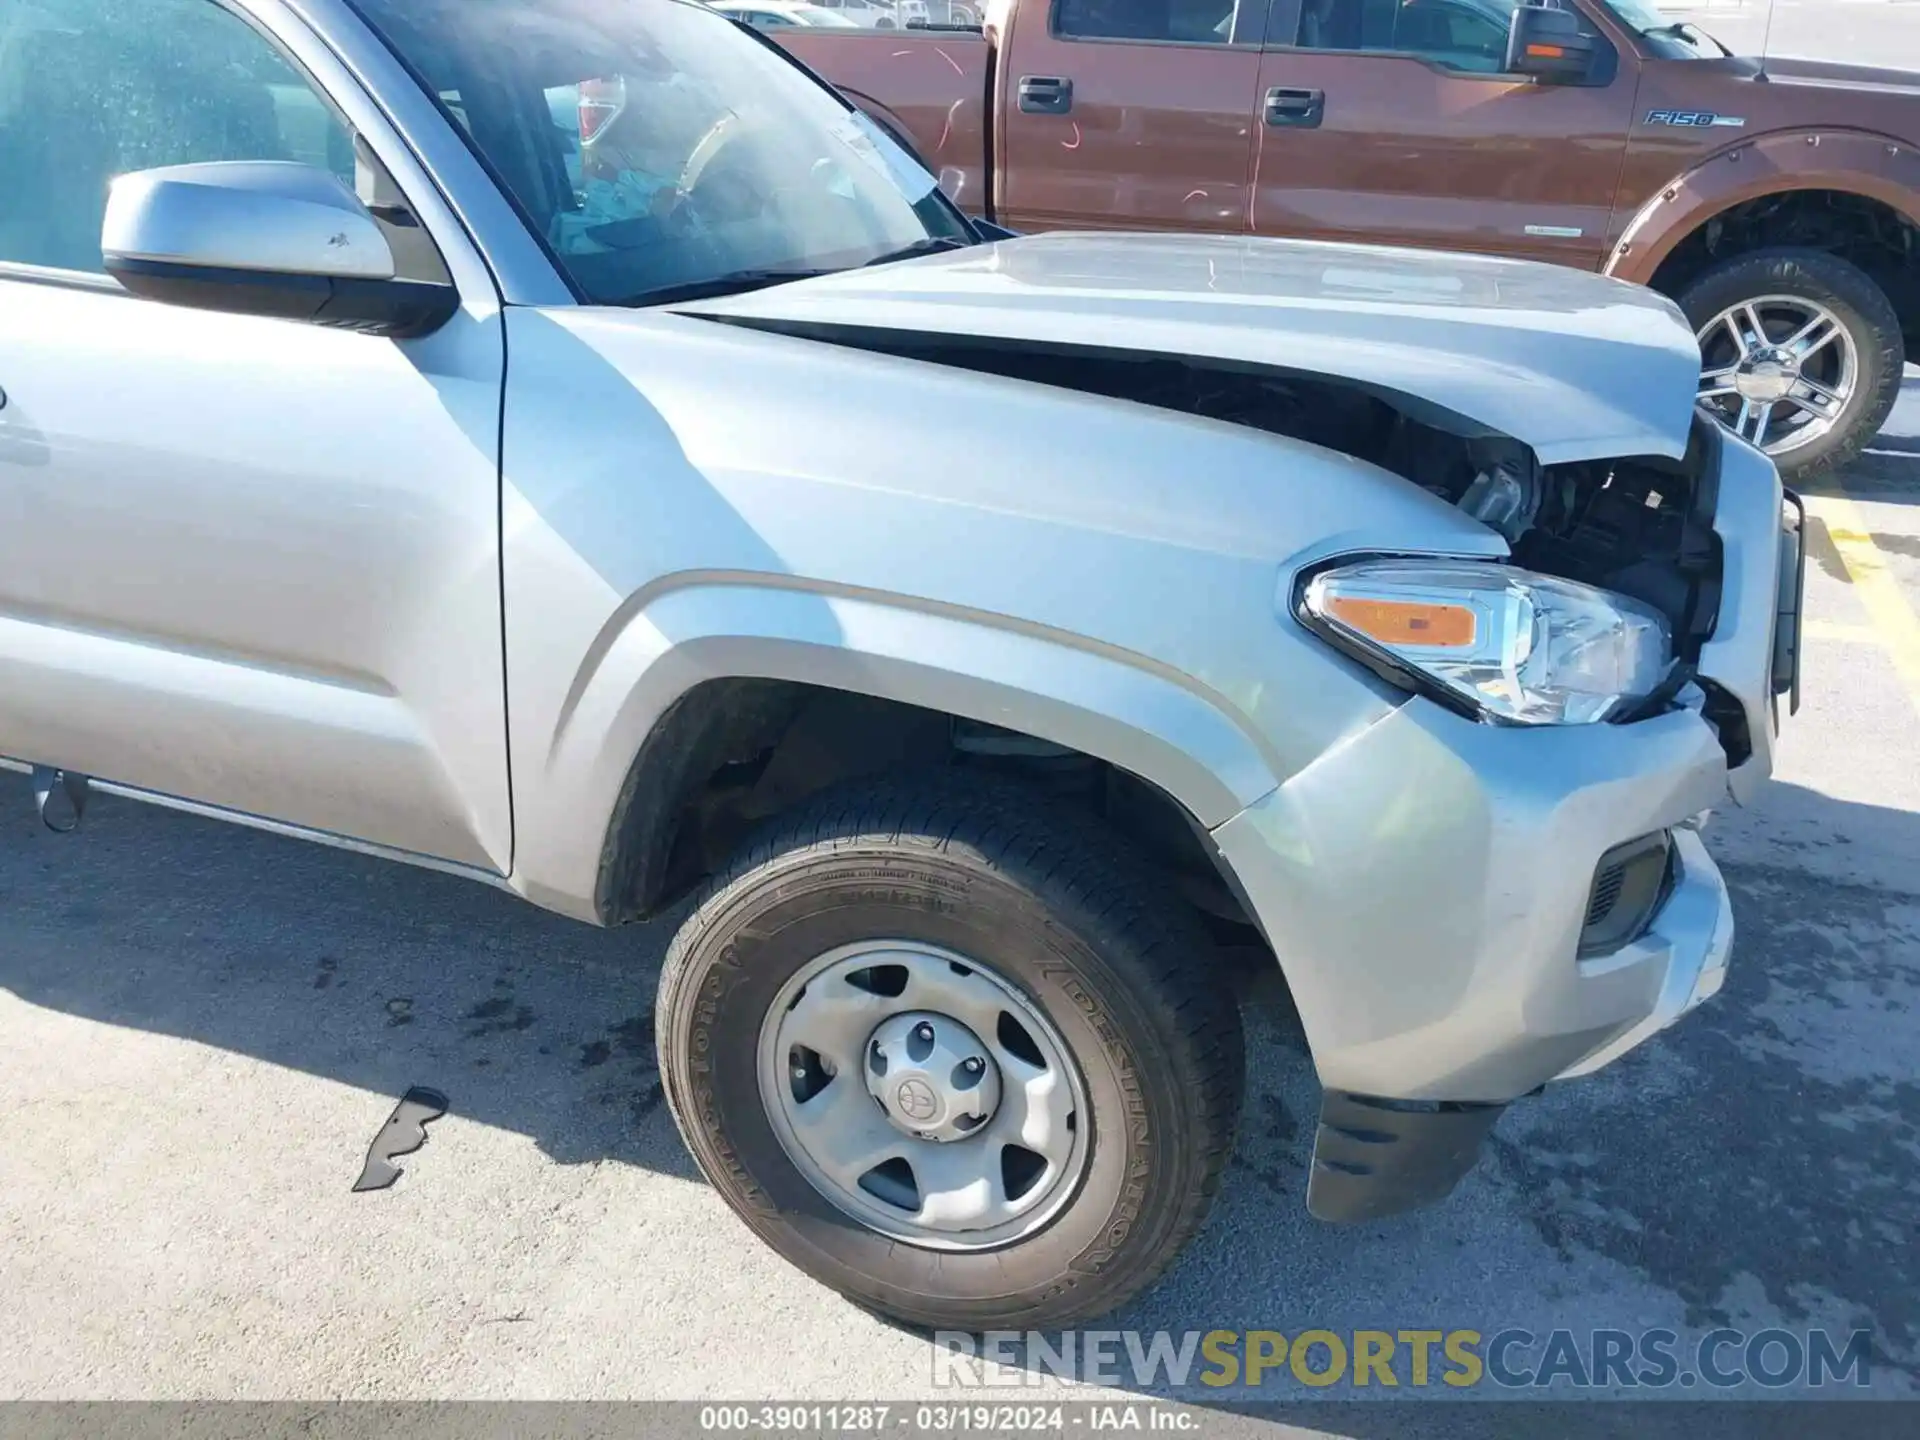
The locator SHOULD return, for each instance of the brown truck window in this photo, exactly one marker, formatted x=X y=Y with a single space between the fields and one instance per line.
x=1178 y=22
x=1459 y=34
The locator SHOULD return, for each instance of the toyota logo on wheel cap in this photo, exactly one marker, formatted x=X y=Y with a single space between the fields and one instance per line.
x=916 y=1100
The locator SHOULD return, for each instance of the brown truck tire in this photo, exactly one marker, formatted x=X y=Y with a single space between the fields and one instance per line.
x=1789 y=288
x=990 y=903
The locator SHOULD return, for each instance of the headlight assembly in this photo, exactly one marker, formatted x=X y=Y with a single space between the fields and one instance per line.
x=1511 y=644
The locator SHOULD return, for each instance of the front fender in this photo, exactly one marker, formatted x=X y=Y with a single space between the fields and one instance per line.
x=1859 y=162
x=1121 y=708
x=685 y=501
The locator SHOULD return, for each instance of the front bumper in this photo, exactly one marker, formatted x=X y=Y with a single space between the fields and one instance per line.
x=1426 y=884
x=1689 y=941
x=1377 y=1158
x=1373 y=1158
x=1425 y=887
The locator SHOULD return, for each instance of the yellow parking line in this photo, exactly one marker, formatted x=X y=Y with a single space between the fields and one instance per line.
x=1875 y=584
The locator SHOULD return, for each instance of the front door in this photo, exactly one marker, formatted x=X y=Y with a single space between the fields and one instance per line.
x=1391 y=121
x=245 y=562
x=1128 y=114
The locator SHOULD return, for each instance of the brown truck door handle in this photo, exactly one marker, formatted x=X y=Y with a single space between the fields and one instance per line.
x=1303 y=108
x=1045 y=95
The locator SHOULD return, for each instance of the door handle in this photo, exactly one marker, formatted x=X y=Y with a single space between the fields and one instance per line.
x=1302 y=108
x=1045 y=95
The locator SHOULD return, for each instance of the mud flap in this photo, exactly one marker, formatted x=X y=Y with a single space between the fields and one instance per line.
x=72 y=789
x=1374 y=1158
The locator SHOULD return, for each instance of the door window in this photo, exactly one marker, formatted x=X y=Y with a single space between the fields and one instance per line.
x=1178 y=22
x=92 y=89
x=1458 y=34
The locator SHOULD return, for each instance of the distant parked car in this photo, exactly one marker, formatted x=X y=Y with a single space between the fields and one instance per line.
x=869 y=14
x=784 y=15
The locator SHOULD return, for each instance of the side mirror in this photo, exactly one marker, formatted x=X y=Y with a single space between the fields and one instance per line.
x=1548 y=44
x=263 y=237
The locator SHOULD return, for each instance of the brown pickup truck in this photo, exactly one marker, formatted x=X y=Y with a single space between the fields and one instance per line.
x=1775 y=200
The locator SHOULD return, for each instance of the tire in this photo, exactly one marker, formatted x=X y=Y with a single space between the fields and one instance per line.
x=1865 y=314
x=1066 y=920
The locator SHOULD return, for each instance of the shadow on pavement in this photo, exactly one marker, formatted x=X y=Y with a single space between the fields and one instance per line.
x=373 y=974
x=1889 y=468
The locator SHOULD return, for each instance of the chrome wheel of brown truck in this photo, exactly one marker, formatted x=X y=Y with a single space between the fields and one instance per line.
x=1801 y=355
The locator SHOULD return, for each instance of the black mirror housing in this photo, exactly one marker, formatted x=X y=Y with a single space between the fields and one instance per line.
x=394 y=309
x=1547 y=43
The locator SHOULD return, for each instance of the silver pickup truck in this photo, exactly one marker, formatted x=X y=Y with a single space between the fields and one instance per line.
x=560 y=442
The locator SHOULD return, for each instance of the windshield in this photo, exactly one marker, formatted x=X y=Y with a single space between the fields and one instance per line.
x=1671 y=38
x=661 y=150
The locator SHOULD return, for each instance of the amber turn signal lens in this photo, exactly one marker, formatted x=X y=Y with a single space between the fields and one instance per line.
x=1406 y=622
x=1547 y=52
x=1490 y=639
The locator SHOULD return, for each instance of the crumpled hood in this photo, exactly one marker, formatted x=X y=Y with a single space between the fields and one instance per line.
x=1575 y=365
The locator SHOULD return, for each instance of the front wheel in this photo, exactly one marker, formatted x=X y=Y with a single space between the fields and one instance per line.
x=953 y=1055
x=1801 y=355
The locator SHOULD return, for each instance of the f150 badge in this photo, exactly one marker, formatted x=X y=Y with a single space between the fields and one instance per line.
x=1695 y=119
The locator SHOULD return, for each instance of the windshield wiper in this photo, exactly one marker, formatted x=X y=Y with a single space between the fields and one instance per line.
x=738 y=282
x=932 y=245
